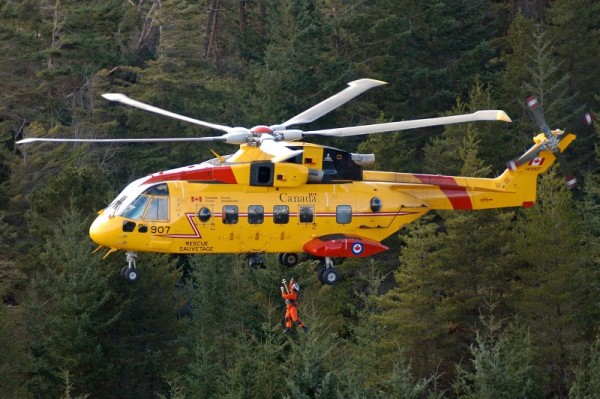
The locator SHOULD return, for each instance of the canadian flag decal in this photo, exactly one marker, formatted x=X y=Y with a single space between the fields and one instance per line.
x=538 y=161
x=196 y=199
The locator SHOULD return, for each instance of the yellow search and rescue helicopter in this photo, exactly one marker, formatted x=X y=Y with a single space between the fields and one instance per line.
x=278 y=195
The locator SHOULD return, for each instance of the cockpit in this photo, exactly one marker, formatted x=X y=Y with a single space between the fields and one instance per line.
x=142 y=203
x=151 y=205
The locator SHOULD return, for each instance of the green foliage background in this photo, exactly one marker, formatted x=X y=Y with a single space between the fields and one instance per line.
x=492 y=304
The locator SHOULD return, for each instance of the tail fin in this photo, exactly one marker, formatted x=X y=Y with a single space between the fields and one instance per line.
x=523 y=178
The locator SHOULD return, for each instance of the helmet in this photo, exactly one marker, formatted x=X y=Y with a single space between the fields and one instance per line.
x=296 y=287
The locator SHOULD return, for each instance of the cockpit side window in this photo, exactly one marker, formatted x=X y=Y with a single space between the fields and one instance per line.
x=158 y=209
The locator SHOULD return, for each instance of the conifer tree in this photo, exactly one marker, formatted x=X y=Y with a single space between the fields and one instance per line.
x=493 y=144
x=574 y=28
x=145 y=341
x=12 y=353
x=376 y=364
x=409 y=312
x=299 y=63
x=546 y=81
x=516 y=61
x=256 y=370
x=501 y=364
x=417 y=50
x=587 y=375
x=589 y=210
x=78 y=313
x=552 y=280
x=211 y=295
x=83 y=188
x=533 y=69
x=309 y=375
x=449 y=269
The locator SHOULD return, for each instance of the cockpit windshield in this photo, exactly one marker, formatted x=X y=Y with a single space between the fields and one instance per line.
x=136 y=208
x=151 y=205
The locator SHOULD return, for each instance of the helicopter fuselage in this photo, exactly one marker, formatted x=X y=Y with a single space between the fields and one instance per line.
x=244 y=207
x=321 y=202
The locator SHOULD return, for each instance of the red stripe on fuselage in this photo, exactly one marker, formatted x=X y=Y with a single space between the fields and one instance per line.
x=221 y=174
x=457 y=195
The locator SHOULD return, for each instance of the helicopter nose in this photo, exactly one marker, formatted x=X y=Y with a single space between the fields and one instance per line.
x=102 y=231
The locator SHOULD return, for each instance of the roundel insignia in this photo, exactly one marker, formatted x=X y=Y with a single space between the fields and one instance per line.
x=357 y=248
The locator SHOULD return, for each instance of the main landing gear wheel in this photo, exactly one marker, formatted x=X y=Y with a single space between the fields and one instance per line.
x=329 y=276
x=327 y=273
x=288 y=259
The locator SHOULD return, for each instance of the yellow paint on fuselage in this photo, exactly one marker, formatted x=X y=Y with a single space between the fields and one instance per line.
x=186 y=233
x=404 y=197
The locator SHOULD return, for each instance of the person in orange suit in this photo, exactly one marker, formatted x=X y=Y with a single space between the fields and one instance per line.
x=291 y=301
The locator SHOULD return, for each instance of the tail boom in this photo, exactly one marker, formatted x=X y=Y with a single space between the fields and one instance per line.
x=513 y=188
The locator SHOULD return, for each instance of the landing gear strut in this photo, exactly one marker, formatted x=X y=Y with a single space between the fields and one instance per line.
x=327 y=273
x=129 y=272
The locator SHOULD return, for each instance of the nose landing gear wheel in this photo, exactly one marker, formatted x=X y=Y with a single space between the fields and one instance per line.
x=129 y=272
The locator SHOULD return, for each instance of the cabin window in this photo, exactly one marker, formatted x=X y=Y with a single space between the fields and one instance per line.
x=158 y=209
x=281 y=214
x=307 y=214
x=230 y=214
x=343 y=214
x=136 y=209
x=256 y=214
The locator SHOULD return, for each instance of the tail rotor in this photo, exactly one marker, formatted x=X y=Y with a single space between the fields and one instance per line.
x=548 y=140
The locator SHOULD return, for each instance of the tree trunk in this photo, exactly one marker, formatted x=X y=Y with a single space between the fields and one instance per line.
x=210 y=45
x=242 y=15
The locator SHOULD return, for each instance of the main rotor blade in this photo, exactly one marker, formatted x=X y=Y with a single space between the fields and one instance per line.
x=277 y=149
x=354 y=89
x=488 y=115
x=113 y=141
x=122 y=98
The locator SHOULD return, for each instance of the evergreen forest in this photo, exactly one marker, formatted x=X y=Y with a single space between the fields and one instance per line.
x=487 y=304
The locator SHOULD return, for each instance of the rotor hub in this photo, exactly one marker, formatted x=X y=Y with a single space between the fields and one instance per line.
x=261 y=129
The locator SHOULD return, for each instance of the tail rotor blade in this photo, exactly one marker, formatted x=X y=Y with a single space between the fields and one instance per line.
x=549 y=143
x=588 y=119
x=565 y=170
x=513 y=164
x=538 y=115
